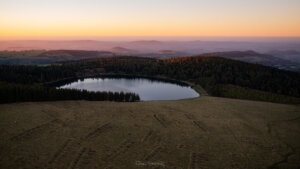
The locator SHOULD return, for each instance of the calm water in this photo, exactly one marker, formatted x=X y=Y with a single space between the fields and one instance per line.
x=147 y=89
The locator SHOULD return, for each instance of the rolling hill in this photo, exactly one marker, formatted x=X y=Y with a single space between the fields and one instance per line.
x=258 y=58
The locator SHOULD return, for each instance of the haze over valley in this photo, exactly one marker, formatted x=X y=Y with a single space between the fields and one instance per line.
x=282 y=53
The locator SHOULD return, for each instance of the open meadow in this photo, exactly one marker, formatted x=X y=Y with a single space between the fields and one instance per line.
x=207 y=132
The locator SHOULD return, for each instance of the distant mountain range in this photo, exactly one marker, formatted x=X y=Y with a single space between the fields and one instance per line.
x=149 y=46
x=119 y=49
x=282 y=55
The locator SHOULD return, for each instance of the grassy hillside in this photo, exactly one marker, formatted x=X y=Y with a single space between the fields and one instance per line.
x=231 y=91
x=207 y=132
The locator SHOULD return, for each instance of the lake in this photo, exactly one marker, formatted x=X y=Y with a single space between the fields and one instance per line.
x=147 y=89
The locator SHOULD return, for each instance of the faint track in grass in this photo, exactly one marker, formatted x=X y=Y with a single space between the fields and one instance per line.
x=147 y=136
x=40 y=129
x=200 y=125
x=121 y=149
x=152 y=153
x=197 y=161
x=161 y=120
x=151 y=137
x=75 y=163
x=83 y=158
x=189 y=116
x=60 y=152
x=273 y=132
x=73 y=145
x=98 y=131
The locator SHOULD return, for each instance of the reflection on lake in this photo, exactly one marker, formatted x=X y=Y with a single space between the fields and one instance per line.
x=147 y=89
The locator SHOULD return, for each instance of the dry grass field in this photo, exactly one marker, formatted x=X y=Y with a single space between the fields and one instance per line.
x=206 y=132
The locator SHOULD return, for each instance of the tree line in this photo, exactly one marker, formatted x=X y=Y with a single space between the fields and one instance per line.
x=22 y=93
x=212 y=73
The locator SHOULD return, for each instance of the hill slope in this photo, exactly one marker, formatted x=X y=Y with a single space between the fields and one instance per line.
x=207 y=132
x=258 y=58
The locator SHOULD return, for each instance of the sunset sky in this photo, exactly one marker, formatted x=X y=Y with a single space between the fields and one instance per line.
x=34 y=18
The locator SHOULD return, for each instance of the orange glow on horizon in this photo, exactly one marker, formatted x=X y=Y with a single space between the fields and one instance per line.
x=234 y=30
x=268 y=18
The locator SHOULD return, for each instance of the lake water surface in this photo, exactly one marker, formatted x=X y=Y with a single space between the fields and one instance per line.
x=147 y=89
